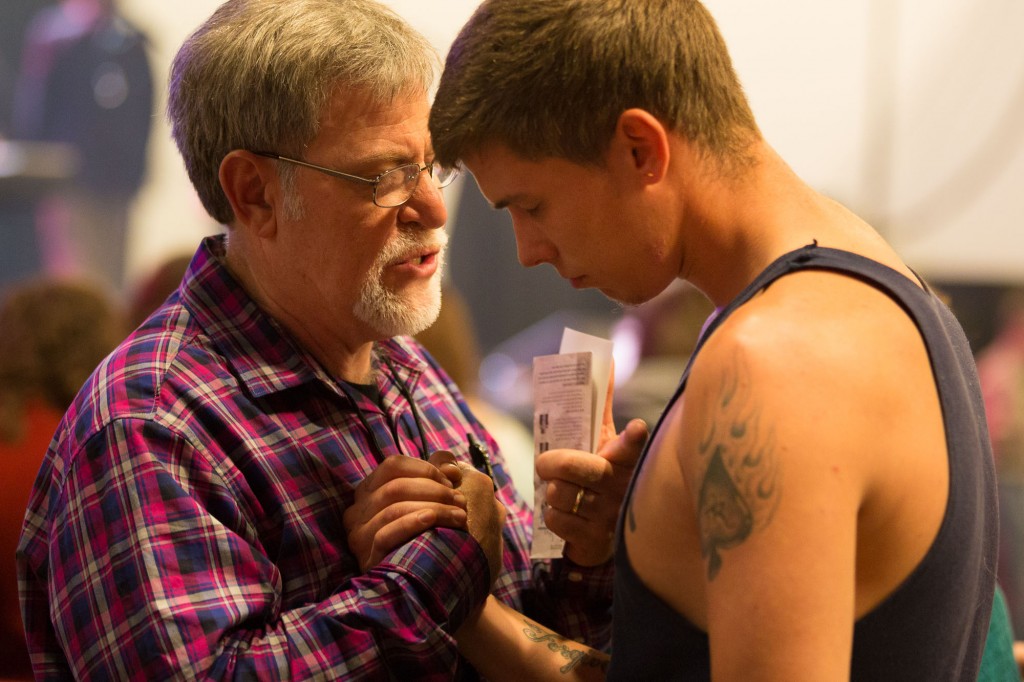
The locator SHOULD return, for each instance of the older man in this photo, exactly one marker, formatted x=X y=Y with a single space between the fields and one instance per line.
x=223 y=498
x=818 y=500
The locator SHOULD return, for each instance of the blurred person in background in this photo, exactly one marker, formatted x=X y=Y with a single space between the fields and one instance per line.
x=52 y=335
x=152 y=290
x=1001 y=372
x=17 y=14
x=85 y=81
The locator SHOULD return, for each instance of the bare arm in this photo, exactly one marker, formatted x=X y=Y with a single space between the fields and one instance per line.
x=777 y=519
x=503 y=644
x=790 y=428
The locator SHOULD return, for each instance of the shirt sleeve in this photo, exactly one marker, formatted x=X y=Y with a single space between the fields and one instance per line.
x=154 y=572
x=575 y=601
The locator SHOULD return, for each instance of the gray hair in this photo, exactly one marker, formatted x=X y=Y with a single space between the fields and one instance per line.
x=258 y=74
x=550 y=78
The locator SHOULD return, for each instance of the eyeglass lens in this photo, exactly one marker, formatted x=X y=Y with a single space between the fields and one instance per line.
x=396 y=186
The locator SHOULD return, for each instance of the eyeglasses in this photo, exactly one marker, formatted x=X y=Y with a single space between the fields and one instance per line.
x=391 y=188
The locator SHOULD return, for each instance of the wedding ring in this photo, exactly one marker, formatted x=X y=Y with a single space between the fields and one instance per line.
x=579 y=501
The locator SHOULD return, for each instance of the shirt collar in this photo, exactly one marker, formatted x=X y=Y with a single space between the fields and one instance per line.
x=261 y=352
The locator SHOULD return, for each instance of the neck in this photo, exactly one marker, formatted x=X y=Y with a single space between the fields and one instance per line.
x=341 y=357
x=736 y=225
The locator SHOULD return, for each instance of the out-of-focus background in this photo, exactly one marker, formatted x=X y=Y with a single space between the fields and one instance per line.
x=911 y=112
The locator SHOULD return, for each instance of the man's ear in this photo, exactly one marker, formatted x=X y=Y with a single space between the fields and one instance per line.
x=641 y=145
x=248 y=181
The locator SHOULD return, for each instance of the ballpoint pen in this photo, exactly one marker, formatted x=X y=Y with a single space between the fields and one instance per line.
x=481 y=458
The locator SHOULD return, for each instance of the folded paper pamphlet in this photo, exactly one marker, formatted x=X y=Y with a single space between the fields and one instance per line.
x=569 y=391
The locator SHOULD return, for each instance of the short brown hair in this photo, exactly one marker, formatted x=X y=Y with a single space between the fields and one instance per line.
x=550 y=78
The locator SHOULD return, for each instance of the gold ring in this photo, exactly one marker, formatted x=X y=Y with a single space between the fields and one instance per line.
x=579 y=501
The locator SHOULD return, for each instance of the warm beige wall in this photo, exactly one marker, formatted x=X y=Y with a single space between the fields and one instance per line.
x=168 y=217
x=909 y=111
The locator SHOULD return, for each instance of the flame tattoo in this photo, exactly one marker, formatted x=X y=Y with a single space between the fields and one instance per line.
x=741 y=485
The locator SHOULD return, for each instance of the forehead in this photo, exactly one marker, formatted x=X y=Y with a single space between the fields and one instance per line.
x=505 y=177
x=357 y=121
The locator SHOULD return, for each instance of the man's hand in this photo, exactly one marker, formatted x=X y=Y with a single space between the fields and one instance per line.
x=486 y=515
x=585 y=490
x=402 y=498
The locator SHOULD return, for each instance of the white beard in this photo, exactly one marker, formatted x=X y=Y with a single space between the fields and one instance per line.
x=393 y=313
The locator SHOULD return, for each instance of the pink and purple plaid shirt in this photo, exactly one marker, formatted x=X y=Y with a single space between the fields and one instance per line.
x=187 y=520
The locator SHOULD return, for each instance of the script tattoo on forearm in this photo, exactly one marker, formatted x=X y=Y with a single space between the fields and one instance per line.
x=576 y=654
x=741 y=485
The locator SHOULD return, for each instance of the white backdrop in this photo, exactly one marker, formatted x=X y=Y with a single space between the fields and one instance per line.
x=909 y=111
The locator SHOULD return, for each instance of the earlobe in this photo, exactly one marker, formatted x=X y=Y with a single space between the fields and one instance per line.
x=247 y=180
x=646 y=140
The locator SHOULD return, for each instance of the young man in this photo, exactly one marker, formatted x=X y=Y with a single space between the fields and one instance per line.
x=818 y=500
x=222 y=498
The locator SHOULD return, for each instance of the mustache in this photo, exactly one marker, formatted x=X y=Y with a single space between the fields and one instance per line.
x=409 y=245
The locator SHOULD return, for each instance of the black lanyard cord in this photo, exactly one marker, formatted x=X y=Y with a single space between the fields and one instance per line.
x=407 y=394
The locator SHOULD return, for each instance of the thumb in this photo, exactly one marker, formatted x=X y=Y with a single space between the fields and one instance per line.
x=445 y=461
x=626 y=447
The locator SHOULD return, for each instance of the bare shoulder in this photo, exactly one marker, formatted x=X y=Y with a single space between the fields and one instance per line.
x=811 y=332
x=790 y=405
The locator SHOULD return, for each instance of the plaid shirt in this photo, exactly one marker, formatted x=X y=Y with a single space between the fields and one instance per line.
x=187 y=520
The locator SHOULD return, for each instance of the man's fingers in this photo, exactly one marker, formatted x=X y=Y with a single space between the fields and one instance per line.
x=404 y=497
x=573 y=466
x=417 y=490
x=400 y=466
x=591 y=544
x=588 y=469
x=486 y=516
x=440 y=457
x=637 y=431
x=448 y=466
x=625 y=449
x=399 y=524
x=562 y=495
x=390 y=498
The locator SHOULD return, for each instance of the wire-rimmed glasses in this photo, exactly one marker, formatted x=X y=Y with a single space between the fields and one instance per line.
x=392 y=188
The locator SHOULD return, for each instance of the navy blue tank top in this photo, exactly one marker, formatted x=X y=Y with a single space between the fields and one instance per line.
x=933 y=626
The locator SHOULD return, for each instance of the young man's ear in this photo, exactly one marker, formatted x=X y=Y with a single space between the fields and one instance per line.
x=641 y=144
x=248 y=181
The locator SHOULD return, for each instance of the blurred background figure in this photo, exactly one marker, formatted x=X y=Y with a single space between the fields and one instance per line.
x=452 y=340
x=52 y=336
x=20 y=256
x=1001 y=371
x=16 y=16
x=85 y=80
x=150 y=293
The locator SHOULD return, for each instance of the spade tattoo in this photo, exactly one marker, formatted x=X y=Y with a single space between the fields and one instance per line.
x=725 y=519
x=741 y=485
